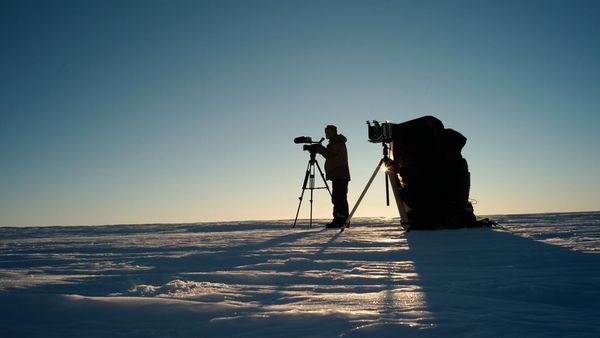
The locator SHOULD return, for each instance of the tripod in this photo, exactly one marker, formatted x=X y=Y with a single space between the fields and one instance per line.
x=309 y=178
x=391 y=177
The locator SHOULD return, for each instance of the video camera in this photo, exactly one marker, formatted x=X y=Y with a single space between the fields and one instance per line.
x=309 y=145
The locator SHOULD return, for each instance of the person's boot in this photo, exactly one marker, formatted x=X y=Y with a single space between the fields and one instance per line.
x=335 y=224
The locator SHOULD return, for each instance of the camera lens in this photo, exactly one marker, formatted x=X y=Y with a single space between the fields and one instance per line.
x=302 y=139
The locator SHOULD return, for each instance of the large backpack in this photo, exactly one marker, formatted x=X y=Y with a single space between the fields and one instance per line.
x=435 y=176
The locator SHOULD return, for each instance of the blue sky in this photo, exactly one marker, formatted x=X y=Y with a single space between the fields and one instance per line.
x=185 y=111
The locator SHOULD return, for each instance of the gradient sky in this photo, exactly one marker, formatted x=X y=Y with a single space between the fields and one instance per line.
x=185 y=111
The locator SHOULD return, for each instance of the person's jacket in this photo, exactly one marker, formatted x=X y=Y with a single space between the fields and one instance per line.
x=336 y=158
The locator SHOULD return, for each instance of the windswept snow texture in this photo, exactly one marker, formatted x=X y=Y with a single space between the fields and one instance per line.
x=533 y=276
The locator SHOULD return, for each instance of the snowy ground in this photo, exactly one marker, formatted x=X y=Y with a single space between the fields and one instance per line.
x=535 y=276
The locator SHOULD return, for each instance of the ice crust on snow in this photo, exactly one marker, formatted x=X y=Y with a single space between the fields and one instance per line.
x=534 y=276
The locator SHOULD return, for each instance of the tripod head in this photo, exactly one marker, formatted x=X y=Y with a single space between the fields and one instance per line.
x=313 y=155
x=386 y=149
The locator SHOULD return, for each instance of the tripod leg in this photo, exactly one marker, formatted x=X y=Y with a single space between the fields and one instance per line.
x=312 y=189
x=363 y=194
x=395 y=182
x=323 y=177
x=306 y=176
x=387 y=187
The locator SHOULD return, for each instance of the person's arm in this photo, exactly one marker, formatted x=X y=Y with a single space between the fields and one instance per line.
x=321 y=150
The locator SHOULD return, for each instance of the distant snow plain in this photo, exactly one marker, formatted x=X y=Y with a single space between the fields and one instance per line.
x=533 y=276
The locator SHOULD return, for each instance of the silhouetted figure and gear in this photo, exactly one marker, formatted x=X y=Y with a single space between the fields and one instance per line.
x=429 y=177
x=424 y=169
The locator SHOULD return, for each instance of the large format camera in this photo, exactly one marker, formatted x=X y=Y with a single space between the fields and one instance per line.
x=379 y=132
x=309 y=145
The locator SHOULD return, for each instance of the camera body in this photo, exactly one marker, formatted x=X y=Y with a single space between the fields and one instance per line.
x=311 y=147
x=380 y=132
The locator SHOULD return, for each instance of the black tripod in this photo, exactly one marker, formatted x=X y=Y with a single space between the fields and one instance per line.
x=391 y=177
x=309 y=178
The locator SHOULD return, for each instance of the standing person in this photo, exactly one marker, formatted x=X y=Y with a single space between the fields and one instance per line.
x=337 y=171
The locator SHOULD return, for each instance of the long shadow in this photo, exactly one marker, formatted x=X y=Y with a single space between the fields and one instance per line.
x=483 y=282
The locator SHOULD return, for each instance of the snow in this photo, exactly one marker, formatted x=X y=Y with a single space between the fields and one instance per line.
x=534 y=276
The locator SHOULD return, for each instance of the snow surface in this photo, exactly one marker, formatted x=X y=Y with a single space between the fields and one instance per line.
x=534 y=276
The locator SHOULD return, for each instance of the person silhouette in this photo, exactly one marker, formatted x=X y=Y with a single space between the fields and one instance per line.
x=338 y=172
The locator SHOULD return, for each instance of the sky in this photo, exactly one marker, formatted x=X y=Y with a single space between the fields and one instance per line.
x=185 y=111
